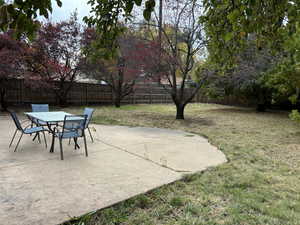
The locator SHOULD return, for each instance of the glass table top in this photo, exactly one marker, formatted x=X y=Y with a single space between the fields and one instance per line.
x=56 y=116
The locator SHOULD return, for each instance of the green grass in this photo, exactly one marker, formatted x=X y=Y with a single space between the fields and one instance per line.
x=259 y=185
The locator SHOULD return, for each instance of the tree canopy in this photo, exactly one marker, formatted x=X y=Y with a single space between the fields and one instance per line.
x=229 y=23
x=107 y=15
x=21 y=15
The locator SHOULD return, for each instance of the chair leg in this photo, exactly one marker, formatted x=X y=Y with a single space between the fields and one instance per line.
x=61 y=149
x=76 y=144
x=91 y=135
x=31 y=126
x=69 y=141
x=85 y=146
x=39 y=138
x=13 y=138
x=18 y=142
x=45 y=139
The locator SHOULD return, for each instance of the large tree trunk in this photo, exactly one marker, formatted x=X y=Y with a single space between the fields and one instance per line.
x=117 y=102
x=263 y=101
x=261 y=107
x=180 y=111
x=61 y=99
x=2 y=100
x=117 y=99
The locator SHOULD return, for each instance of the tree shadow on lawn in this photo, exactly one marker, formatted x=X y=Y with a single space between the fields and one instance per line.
x=170 y=118
x=246 y=110
x=232 y=110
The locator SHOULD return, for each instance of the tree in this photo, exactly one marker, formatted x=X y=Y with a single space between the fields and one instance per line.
x=54 y=57
x=247 y=78
x=107 y=15
x=181 y=45
x=285 y=77
x=11 y=64
x=119 y=70
x=21 y=15
x=228 y=25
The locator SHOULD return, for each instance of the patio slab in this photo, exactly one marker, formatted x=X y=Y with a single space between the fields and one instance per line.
x=37 y=188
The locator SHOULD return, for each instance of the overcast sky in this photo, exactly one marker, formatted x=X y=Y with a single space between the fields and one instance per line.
x=68 y=6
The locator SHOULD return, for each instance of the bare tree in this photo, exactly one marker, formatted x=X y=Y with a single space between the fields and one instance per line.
x=181 y=44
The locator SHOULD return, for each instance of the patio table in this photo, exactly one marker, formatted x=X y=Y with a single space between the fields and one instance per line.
x=51 y=119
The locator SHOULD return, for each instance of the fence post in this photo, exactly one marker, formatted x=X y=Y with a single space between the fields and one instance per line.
x=150 y=91
x=86 y=93
x=21 y=83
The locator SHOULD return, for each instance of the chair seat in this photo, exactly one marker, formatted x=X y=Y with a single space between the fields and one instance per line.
x=33 y=130
x=68 y=134
x=42 y=123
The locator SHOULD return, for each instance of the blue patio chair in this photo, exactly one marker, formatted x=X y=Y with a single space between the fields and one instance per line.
x=26 y=130
x=73 y=127
x=89 y=112
x=39 y=108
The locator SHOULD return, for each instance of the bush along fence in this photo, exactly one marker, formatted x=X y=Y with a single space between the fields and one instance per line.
x=89 y=93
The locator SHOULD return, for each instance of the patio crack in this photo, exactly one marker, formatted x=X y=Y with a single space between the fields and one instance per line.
x=141 y=157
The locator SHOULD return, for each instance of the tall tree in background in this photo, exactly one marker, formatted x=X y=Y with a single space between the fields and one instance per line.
x=229 y=23
x=285 y=77
x=11 y=64
x=107 y=15
x=120 y=70
x=160 y=32
x=246 y=80
x=54 y=56
x=181 y=43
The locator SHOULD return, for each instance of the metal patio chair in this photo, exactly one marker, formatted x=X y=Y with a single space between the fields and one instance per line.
x=73 y=127
x=89 y=112
x=26 y=130
x=39 y=108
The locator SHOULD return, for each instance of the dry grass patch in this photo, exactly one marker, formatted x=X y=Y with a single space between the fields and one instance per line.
x=259 y=185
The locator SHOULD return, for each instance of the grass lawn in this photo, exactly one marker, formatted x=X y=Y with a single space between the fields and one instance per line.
x=259 y=185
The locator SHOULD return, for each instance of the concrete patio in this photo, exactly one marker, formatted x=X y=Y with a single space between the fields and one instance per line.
x=37 y=188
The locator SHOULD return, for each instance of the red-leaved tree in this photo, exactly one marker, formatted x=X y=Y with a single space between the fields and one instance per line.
x=120 y=71
x=11 y=65
x=52 y=61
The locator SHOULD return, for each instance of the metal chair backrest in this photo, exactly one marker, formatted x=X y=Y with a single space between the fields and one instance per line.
x=16 y=121
x=89 y=112
x=40 y=107
x=74 y=123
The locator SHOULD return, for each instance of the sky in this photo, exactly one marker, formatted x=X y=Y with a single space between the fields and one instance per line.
x=83 y=9
x=68 y=6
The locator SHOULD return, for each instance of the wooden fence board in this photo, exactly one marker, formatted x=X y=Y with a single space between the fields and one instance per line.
x=86 y=93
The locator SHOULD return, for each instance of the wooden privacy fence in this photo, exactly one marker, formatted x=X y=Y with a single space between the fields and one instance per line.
x=85 y=93
x=89 y=93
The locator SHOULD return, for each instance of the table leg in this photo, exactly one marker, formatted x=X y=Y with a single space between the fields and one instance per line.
x=52 y=131
x=52 y=143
